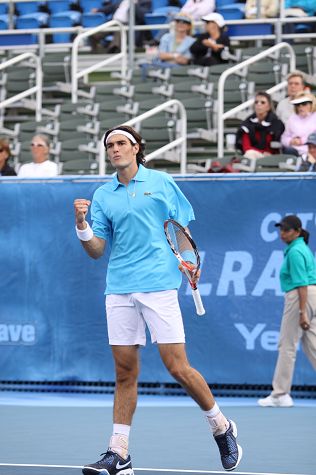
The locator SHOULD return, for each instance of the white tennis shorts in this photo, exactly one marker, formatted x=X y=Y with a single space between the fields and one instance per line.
x=128 y=314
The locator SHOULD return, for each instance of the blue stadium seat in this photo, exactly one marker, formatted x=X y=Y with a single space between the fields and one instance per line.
x=20 y=39
x=89 y=20
x=64 y=19
x=4 y=22
x=250 y=30
x=32 y=20
x=57 y=6
x=155 y=4
x=224 y=3
x=24 y=8
x=231 y=12
x=3 y=8
x=87 y=5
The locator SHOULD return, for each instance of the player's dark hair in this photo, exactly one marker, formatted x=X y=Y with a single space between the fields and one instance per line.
x=140 y=157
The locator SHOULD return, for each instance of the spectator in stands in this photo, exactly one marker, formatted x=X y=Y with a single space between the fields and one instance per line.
x=268 y=9
x=196 y=9
x=208 y=48
x=174 y=47
x=308 y=161
x=5 y=153
x=299 y=9
x=260 y=133
x=41 y=167
x=300 y=124
x=298 y=281
x=120 y=11
x=295 y=84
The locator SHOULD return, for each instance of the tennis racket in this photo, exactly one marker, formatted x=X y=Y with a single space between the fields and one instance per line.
x=185 y=250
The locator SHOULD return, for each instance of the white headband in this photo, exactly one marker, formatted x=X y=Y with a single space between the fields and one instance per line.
x=121 y=132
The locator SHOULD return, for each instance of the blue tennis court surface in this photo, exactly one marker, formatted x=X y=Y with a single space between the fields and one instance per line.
x=55 y=434
x=63 y=470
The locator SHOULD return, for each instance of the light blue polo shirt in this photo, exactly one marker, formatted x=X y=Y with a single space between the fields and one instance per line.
x=131 y=219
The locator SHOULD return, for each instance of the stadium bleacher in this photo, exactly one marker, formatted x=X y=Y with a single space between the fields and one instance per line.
x=76 y=129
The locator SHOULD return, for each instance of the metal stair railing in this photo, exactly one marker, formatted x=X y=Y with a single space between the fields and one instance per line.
x=37 y=89
x=76 y=74
x=174 y=106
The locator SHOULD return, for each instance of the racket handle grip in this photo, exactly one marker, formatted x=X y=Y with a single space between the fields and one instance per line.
x=198 y=302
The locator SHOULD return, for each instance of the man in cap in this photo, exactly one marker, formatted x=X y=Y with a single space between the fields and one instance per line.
x=298 y=281
x=295 y=84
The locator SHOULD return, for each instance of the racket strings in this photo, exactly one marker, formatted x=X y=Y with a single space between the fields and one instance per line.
x=182 y=244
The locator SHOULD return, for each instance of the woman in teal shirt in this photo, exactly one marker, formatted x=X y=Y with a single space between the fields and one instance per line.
x=298 y=281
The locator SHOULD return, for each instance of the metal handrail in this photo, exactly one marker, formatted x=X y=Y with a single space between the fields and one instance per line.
x=182 y=140
x=37 y=89
x=75 y=74
x=221 y=116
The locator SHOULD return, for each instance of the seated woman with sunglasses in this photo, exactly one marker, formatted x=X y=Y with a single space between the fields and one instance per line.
x=260 y=133
x=41 y=167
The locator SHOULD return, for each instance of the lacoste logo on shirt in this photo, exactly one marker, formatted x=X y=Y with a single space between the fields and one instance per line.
x=118 y=465
x=147 y=193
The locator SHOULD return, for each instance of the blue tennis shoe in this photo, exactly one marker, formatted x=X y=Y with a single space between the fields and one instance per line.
x=230 y=451
x=110 y=464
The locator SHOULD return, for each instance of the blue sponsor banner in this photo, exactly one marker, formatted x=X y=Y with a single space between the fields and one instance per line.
x=52 y=318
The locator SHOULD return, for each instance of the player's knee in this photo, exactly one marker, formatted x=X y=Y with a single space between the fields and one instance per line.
x=126 y=374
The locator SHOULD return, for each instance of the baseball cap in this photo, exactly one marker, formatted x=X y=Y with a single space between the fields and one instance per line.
x=184 y=18
x=216 y=18
x=290 y=222
x=311 y=139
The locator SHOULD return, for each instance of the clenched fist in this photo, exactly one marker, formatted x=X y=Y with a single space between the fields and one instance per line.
x=81 y=207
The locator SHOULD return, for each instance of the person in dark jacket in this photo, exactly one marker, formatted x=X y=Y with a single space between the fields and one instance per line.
x=209 y=47
x=5 y=153
x=260 y=133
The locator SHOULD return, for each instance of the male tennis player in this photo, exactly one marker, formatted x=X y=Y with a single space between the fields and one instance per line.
x=141 y=289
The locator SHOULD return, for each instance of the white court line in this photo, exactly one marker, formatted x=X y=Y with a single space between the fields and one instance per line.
x=169 y=470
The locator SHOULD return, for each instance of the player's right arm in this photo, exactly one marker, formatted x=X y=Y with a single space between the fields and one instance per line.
x=95 y=246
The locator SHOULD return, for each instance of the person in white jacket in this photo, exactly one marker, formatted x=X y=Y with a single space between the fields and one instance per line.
x=268 y=9
x=41 y=167
x=198 y=8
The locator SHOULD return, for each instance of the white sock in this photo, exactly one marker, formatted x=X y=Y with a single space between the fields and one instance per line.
x=119 y=439
x=218 y=422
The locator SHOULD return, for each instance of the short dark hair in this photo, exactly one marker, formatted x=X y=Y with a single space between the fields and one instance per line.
x=140 y=157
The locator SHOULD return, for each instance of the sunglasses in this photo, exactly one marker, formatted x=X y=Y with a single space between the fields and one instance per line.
x=303 y=104
x=261 y=102
x=37 y=145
